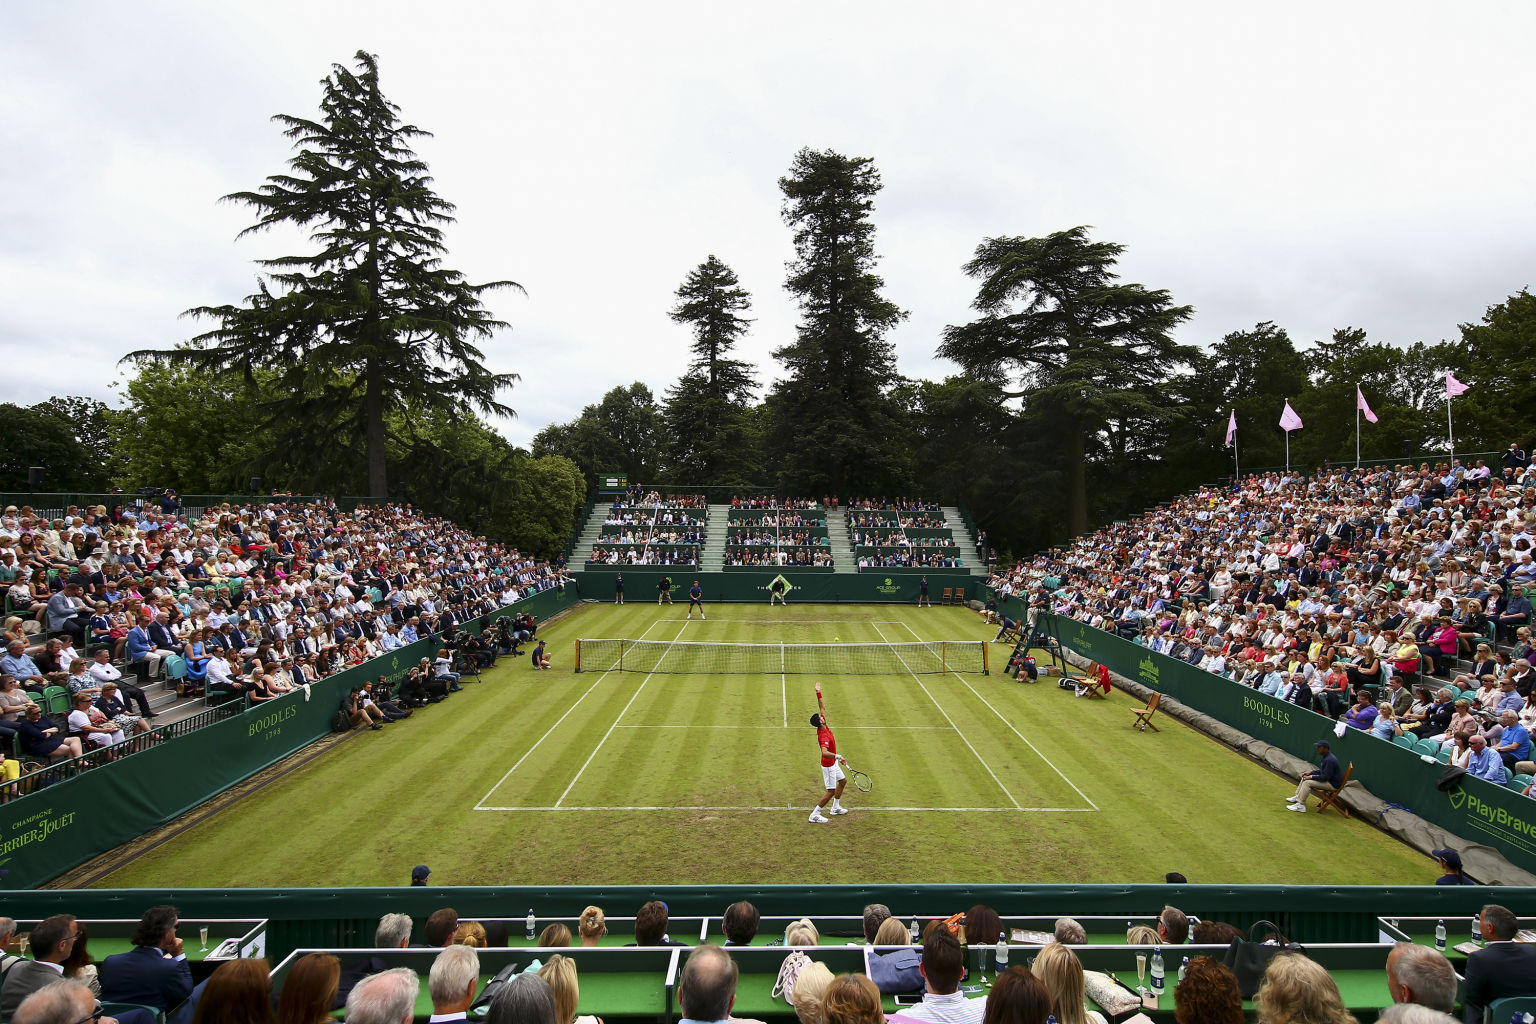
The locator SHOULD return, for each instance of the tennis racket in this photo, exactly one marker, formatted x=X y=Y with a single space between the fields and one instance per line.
x=860 y=780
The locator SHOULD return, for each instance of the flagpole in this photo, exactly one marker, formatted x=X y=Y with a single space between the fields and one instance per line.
x=1287 y=444
x=1450 y=433
x=1357 y=432
x=1237 y=474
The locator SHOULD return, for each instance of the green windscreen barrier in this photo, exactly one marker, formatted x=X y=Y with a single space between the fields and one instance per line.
x=1477 y=811
x=807 y=585
x=47 y=832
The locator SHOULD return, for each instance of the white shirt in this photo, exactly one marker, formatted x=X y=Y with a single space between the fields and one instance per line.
x=105 y=672
x=218 y=672
x=953 y=1008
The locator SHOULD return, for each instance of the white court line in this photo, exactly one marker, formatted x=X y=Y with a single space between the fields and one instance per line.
x=952 y=725
x=791 y=807
x=551 y=729
x=619 y=719
x=1016 y=732
x=780 y=728
x=784 y=686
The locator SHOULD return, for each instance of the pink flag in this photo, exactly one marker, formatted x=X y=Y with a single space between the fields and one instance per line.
x=1453 y=387
x=1363 y=405
x=1231 y=429
x=1289 y=421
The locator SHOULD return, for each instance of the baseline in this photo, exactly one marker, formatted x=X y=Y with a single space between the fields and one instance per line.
x=1014 y=729
x=793 y=807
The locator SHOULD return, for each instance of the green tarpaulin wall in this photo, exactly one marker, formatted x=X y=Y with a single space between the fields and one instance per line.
x=750 y=583
x=324 y=918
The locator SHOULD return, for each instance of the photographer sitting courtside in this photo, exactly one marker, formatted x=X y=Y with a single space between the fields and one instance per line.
x=442 y=669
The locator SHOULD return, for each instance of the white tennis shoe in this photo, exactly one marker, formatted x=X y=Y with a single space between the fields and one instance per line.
x=839 y=810
x=817 y=819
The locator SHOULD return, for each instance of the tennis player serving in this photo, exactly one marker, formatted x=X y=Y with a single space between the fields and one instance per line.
x=832 y=775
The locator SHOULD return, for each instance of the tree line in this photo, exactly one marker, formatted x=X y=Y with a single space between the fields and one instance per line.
x=356 y=367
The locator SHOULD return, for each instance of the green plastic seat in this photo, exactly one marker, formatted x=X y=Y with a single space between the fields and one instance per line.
x=1406 y=741
x=55 y=700
x=1444 y=757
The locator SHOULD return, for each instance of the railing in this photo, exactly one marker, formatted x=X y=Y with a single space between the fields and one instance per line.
x=53 y=772
x=570 y=548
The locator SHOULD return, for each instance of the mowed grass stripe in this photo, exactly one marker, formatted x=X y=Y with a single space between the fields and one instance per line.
x=1169 y=801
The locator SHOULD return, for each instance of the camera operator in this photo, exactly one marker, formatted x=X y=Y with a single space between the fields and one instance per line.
x=418 y=688
x=502 y=637
x=442 y=669
x=378 y=695
x=479 y=649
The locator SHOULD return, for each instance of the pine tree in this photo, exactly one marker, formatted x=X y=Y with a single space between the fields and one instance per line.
x=706 y=411
x=371 y=321
x=832 y=416
x=1060 y=326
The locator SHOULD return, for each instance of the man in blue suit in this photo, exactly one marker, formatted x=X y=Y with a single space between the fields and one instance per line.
x=155 y=972
x=1503 y=968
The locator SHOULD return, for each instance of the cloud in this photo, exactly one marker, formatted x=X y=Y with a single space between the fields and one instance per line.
x=1317 y=166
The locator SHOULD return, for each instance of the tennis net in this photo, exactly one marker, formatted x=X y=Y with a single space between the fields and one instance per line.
x=685 y=656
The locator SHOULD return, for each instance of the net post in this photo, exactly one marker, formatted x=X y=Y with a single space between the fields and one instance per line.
x=944 y=656
x=578 y=655
x=986 y=665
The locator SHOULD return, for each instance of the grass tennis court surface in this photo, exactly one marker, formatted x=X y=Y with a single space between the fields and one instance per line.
x=632 y=778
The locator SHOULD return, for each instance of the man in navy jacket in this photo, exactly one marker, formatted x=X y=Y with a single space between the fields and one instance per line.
x=1504 y=968
x=153 y=973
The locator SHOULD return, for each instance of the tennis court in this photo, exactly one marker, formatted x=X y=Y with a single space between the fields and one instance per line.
x=656 y=776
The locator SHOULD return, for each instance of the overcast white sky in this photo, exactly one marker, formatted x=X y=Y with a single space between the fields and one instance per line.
x=1315 y=164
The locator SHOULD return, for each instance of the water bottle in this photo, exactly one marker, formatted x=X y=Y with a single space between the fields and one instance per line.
x=1157 y=970
x=1183 y=968
x=1477 y=931
x=1002 y=952
x=1440 y=936
x=1051 y=1019
x=532 y=924
x=914 y=931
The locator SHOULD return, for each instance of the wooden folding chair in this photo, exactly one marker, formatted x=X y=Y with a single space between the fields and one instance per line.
x=1330 y=798
x=948 y=596
x=1143 y=716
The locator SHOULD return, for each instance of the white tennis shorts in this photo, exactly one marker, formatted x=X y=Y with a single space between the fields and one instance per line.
x=830 y=777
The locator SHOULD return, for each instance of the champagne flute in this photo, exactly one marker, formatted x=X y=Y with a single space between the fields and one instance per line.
x=25 y=943
x=1141 y=972
x=202 y=936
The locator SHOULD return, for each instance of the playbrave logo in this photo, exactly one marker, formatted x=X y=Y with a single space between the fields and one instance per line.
x=1497 y=816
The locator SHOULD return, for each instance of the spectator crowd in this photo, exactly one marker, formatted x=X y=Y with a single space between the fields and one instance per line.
x=1396 y=598
x=63 y=984
x=249 y=602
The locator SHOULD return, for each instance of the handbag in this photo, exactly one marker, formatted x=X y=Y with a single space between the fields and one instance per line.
x=1249 y=958
x=482 y=1003
x=789 y=973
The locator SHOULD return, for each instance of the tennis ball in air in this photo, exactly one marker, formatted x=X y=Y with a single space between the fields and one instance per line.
x=836 y=638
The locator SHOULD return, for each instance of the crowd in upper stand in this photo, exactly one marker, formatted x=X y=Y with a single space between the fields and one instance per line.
x=256 y=600
x=1348 y=588
x=772 y=531
x=651 y=528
